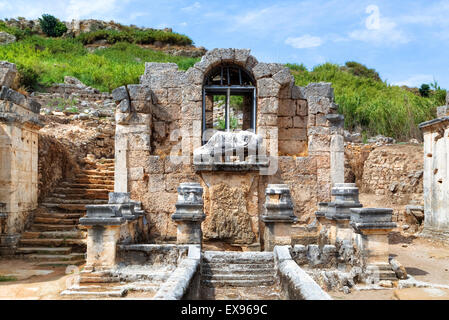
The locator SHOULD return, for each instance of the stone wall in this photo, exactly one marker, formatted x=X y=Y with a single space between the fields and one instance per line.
x=158 y=126
x=390 y=174
x=19 y=127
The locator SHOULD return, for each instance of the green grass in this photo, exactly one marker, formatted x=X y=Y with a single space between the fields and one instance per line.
x=7 y=278
x=44 y=61
x=135 y=36
x=372 y=106
x=368 y=104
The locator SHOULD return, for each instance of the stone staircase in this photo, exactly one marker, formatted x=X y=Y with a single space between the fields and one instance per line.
x=133 y=281
x=239 y=275
x=55 y=237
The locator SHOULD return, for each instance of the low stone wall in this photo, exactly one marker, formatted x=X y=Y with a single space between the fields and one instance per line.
x=151 y=254
x=184 y=282
x=296 y=283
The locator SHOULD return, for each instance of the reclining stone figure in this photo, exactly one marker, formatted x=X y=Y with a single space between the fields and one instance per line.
x=241 y=144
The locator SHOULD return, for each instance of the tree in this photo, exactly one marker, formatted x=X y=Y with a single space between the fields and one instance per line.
x=51 y=26
x=424 y=91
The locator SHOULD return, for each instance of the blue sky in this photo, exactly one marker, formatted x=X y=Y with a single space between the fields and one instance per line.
x=407 y=42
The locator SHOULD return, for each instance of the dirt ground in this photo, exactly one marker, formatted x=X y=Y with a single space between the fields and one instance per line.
x=32 y=282
x=424 y=259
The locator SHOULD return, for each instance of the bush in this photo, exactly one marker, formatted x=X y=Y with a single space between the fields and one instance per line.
x=424 y=91
x=361 y=70
x=51 y=26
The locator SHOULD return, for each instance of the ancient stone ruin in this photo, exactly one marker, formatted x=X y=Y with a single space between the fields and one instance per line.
x=207 y=198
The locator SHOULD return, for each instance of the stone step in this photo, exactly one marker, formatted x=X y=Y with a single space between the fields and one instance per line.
x=57 y=257
x=95 y=292
x=83 y=179
x=64 y=206
x=56 y=215
x=231 y=269
x=237 y=277
x=105 y=166
x=54 y=235
x=45 y=220
x=59 y=263
x=44 y=250
x=81 y=196
x=237 y=283
x=85 y=190
x=107 y=173
x=238 y=257
x=53 y=227
x=50 y=200
x=53 y=242
x=98 y=279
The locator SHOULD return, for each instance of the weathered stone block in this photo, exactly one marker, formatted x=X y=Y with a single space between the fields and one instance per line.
x=321 y=89
x=155 y=165
x=120 y=93
x=298 y=93
x=285 y=122
x=299 y=122
x=268 y=105
x=287 y=107
x=156 y=182
x=292 y=134
x=8 y=72
x=284 y=77
x=268 y=88
x=301 y=108
x=135 y=173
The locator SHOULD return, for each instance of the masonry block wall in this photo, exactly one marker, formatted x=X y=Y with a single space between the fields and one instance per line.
x=19 y=127
x=159 y=125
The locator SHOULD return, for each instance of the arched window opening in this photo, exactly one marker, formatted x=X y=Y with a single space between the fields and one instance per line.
x=229 y=100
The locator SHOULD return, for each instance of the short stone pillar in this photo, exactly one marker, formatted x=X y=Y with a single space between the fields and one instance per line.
x=278 y=217
x=189 y=213
x=325 y=224
x=103 y=223
x=372 y=226
x=339 y=211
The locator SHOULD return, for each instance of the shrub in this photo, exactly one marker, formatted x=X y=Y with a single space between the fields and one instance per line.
x=361 y=70
x=424 y=91
x=51 y=26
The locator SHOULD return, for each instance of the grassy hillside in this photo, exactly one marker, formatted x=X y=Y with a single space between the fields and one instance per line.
x=44 y=61
x=370 y=105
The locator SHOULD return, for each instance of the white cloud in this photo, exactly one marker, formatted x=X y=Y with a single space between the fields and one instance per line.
x=415 y=80
x=183 y=24
x=305 y=41
x=193 y=7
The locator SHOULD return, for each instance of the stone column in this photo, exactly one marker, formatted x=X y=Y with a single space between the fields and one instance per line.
x=325 y=224
x=373 y=226
x=339 y=213
x=278 y=217
x=337 y=148
x=189 y=213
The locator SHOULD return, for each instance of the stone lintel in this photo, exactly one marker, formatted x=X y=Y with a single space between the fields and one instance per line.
x=371 y=219
x=432 y=122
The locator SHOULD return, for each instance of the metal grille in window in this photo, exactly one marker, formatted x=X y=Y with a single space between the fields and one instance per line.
x=229 y=100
